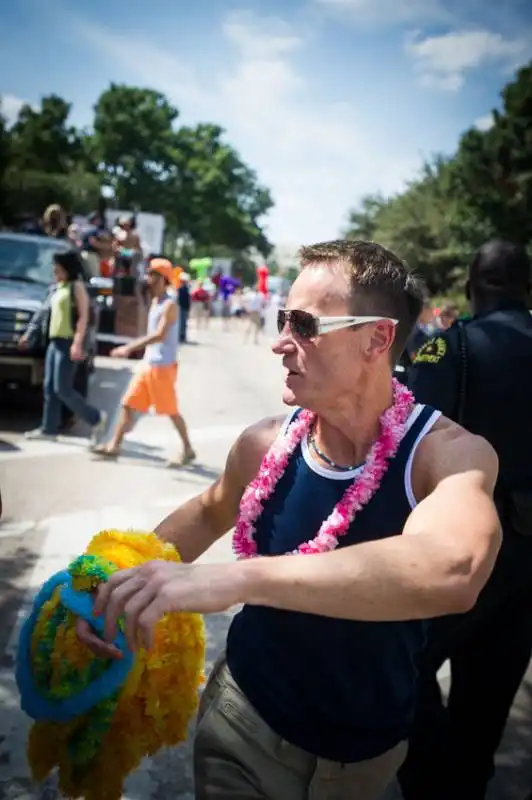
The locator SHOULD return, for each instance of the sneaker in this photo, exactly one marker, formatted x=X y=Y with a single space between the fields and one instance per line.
x=100 y=428
x=39 y=435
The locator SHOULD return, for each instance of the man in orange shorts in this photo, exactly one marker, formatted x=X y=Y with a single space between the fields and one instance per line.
x=154 y=385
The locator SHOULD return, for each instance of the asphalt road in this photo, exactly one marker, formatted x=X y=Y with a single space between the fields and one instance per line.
x=56 y=496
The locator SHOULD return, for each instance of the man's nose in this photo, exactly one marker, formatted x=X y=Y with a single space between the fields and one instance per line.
x=284 y=342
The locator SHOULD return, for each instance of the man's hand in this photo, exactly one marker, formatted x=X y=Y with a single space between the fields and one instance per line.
x=143 y=595
x=23 y=343
x=120 y=352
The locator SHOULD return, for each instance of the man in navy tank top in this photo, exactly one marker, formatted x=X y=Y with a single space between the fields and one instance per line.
x=370 y=514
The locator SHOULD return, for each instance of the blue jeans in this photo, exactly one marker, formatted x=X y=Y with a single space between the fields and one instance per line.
x=59 y=371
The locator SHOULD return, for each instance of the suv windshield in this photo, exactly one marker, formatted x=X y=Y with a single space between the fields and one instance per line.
x=29 y=260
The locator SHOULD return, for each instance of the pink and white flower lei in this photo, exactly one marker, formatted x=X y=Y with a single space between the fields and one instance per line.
x=359 y=493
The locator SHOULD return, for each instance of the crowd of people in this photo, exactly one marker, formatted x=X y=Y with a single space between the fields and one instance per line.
x=171 y=297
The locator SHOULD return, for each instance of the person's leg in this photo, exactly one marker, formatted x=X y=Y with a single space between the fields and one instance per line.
x=125 y=423
x=64 y=387
x=365 y=780
x=135 y=400
x=162 y=387
x=487 y=670
x=182 y=325
x=258 y=327
x=81 y=385
x=425 y=772
x=51 y=414
x=452 y=750
x=181 y=427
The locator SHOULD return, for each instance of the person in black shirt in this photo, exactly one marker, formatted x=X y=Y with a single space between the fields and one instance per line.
x=478 y=373
x=183 y=299
x=421 y=333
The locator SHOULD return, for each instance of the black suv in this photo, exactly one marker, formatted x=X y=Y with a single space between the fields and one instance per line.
x=26 y=272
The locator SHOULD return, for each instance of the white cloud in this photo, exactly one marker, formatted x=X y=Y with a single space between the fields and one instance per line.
x=388 y=11
x=314 y=156
x=484 y=123
x=10 y=107
x=443 y=61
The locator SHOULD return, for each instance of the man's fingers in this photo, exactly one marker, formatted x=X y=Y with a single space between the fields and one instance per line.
x=134 y=607
x=147 y=621
x=104 y=590
x=117 y=601
x=91 y=640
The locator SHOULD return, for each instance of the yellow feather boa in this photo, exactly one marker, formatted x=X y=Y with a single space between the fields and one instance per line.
x=152 y=709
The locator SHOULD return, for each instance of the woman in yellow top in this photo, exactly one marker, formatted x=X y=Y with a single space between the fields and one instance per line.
x=66 y=316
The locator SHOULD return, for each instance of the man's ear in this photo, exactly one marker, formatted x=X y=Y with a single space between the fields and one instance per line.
x=380 y=340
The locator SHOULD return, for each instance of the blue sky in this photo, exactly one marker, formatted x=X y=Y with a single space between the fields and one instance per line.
x=327 y=99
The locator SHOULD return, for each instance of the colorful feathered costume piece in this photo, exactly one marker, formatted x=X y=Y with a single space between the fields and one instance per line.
x=95 y=720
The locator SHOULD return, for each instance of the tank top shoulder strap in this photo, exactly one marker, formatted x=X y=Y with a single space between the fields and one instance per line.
x=421 y=421
x=291 y=417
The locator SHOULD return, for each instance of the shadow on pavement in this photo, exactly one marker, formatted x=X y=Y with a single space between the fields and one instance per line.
x=200 y=470
x=14 y=568
x=8 y=447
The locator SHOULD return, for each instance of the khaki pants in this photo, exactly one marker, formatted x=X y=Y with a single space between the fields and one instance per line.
x=238 y=757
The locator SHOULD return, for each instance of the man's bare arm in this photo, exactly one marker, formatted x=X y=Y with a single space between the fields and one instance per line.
x=437 y=566
x=196 y=525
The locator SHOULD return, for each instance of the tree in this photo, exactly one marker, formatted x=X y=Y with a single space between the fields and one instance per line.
x=43 y=141
x=47 y=163
x=212 y=194
x=5 y=153
x=191 y=175
x=458 y=203
x=362 y=221
x=492 y=171
x=132 y=144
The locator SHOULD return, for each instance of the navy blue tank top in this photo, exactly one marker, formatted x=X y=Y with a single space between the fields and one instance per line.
x=339 y=689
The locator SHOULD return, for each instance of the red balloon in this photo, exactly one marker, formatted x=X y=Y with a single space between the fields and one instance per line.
x=262 y=278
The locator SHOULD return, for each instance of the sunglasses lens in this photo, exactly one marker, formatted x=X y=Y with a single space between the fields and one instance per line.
x=301 y=323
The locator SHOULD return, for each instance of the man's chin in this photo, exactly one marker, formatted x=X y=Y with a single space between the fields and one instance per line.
x=289 y=398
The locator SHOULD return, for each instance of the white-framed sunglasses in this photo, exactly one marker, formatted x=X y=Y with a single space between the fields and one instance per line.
x=307 y=326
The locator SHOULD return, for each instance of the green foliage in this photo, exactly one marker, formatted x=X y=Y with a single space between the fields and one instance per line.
x=191 y=175
x=456 y=204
